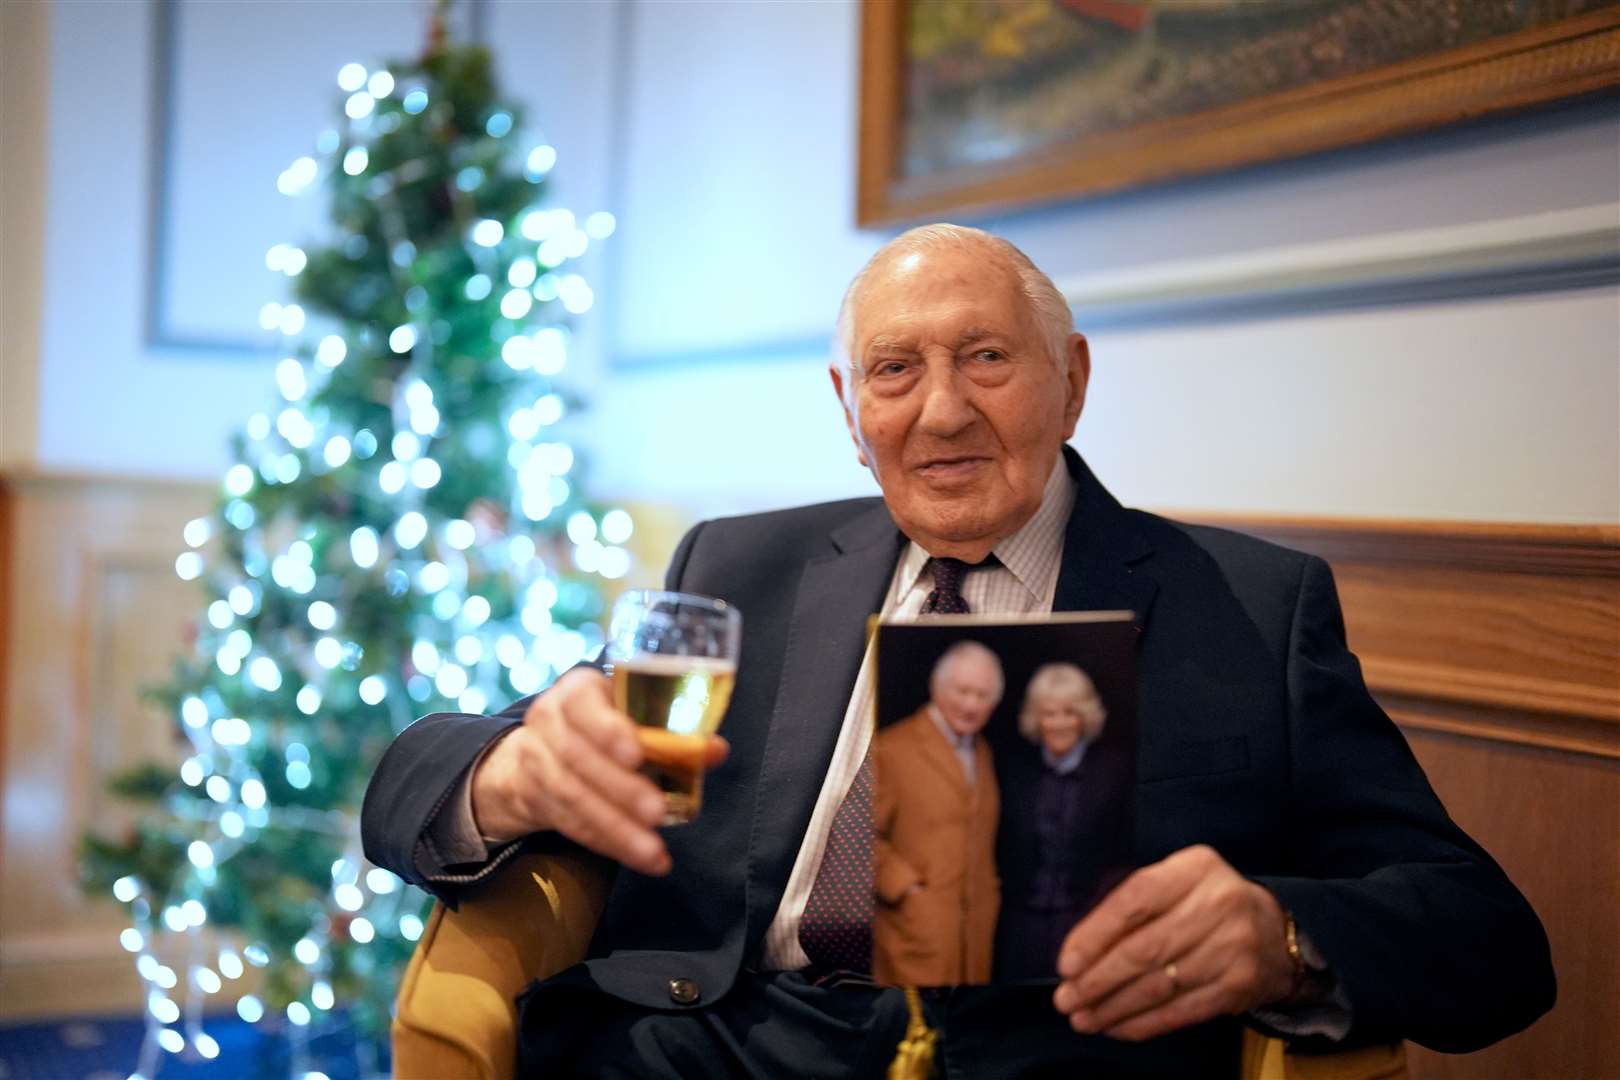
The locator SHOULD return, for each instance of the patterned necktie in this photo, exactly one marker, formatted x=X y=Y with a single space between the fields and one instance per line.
x=946 y=599
x=836 y=928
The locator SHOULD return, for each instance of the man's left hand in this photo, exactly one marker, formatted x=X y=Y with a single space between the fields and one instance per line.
x=1177 y=943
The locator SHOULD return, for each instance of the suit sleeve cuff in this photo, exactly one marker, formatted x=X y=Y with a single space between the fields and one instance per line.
x=452 y=838
x=1322 y=1011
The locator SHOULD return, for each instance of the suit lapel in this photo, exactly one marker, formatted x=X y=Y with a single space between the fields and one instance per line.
x=1102 y=553
x=827 y=639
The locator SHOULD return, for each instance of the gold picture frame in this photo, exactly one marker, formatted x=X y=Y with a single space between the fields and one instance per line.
x=1569 y=56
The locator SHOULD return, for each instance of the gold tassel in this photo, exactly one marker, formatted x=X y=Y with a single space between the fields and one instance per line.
x=914 y=1059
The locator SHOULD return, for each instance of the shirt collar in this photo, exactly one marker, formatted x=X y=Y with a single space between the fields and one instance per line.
x=1026 y=551
x=1068 y=762
x=960 y=742
x=1035 y=545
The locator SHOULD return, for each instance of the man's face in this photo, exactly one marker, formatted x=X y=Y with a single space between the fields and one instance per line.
x=957 y=406
x=966 y=692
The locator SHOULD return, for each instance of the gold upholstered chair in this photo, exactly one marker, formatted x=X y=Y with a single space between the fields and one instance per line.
x=457 y=1016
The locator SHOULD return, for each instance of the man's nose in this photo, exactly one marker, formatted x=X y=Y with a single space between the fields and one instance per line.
x=946 y=409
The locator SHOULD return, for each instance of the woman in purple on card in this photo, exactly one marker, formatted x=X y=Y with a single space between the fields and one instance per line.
x=1063 y=834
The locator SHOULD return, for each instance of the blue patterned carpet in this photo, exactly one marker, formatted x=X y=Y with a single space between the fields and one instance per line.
x=108 y=1048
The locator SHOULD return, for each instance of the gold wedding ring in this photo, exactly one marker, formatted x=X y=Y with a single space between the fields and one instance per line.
x=1171 y=972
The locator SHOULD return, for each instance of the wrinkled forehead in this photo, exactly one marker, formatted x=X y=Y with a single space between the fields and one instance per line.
x=921 y=292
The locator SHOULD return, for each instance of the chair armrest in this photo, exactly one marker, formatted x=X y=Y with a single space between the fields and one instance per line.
x=457 y=1012
x=1266 y=1058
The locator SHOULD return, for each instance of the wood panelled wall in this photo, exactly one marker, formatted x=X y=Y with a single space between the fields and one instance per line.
x=1496 y=647
x=93 y=611
x=1497 y=650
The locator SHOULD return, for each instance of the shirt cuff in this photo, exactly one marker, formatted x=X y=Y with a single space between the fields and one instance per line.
x=1321 y=1011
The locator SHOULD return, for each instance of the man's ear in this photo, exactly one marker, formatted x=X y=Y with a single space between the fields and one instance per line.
x=1077 y=372
x=849 y=417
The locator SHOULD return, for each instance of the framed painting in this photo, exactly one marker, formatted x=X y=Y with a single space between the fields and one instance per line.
x=976 y=105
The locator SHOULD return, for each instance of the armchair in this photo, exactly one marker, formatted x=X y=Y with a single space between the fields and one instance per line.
x=457 y=1016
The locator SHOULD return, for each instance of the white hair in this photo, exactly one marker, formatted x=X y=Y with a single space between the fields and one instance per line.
x=1061 y=684
x=961 y=650
x=1053 y=318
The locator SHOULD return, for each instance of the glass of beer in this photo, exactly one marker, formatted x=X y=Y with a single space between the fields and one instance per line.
x=674 y=659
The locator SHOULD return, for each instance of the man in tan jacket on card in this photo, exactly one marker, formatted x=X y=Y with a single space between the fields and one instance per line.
x=935 y=811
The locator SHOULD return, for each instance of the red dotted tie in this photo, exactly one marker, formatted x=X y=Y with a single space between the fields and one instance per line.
x=946 y=599
x=836 y=928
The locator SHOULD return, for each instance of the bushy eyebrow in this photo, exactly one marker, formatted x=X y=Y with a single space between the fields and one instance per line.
x=887 y=343
x=972 y=335
x=890 y=343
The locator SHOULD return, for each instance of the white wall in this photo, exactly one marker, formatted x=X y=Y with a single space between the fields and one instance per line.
x=106 y=402
x=723 y=136
x=1502 y=411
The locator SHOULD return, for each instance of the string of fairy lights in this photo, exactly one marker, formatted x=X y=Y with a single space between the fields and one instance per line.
x=186 y=970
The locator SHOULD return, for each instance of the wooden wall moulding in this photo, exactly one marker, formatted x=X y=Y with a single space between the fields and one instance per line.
x=1572 y=550
x=1499 y=631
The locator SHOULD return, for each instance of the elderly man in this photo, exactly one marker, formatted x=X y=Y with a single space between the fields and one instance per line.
x=934 y=818
x=1297 y=872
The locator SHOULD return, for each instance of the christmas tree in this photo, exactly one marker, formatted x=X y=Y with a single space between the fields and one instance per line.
x=403 y=533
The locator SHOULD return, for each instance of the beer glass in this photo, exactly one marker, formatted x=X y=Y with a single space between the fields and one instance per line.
x=674 y=659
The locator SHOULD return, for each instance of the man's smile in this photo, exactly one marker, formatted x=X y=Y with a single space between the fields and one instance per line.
x=951 y=468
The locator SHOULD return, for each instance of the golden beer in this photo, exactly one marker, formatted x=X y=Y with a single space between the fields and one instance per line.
x=677 y=701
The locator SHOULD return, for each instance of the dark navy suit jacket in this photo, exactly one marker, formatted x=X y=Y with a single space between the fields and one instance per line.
x=1089 y=832
x=1257 y=737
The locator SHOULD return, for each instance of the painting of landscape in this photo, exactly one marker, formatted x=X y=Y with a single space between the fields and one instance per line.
x=991 y=79
x=971 y=104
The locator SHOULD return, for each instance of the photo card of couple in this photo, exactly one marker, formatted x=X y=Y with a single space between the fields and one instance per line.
x=1003 y=771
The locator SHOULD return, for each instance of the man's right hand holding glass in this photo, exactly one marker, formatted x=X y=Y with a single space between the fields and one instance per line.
x=572 y=767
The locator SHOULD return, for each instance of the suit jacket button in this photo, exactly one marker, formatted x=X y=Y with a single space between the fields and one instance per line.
x=683 y=991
